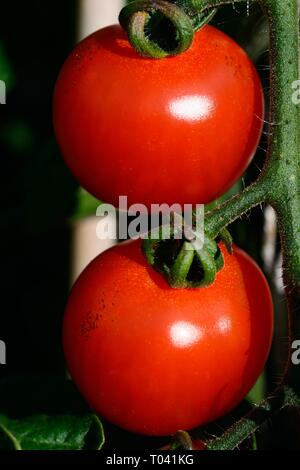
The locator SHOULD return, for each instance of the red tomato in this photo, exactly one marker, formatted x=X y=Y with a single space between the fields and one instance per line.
x=152 y=359
x=178 y=130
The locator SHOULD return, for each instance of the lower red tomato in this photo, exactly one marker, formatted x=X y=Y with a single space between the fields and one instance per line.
x=152 y=359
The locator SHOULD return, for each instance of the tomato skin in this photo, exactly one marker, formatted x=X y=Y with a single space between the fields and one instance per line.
x=152 y=359
x=177 y=130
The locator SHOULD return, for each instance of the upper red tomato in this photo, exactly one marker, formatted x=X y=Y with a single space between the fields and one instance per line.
x=177 y=130
x=154 y=359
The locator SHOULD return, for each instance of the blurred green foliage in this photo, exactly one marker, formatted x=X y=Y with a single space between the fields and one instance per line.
x=86 y=204
x=6 y=72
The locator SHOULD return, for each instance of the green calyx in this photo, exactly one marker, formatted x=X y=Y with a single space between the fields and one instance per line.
x=158 y=28
x=185 y=263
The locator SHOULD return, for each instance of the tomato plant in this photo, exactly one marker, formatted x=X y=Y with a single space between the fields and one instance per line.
x=179 y=130
x=162 y=331
x=153 y=359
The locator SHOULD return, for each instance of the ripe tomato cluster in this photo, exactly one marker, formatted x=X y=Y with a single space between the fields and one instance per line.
x=147 y=357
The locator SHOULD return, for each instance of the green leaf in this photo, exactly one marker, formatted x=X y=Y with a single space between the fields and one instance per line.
x=41 y=432
x=17 y=136
x=46 y=412
x=7 y=440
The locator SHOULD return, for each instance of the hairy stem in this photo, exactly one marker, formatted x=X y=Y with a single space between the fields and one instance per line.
x=280 y=179
x=187 y=17
x=284 y=144
x=201 y=5
x=252 y=421
x=235 y=207
x=279 y=183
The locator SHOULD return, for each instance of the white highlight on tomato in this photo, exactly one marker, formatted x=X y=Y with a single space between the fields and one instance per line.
x=191 y=108
x=224 y=324
x=185 y=334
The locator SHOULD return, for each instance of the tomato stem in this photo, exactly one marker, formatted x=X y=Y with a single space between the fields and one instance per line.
x=186 y=16
x=283 y=165
x=135 y=17
x=246 y=427
x=184 y=264
x=223 y=215
x=279 y=183
x=185 y=440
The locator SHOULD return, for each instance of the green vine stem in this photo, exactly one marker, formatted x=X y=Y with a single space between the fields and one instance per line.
x=279 y=183
x=284 y=145
x=224 y=215
x=233 y=437
x=245 y=428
